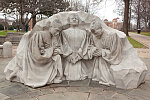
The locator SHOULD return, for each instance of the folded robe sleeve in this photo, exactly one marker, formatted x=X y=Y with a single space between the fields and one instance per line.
x=112 y=48
x=40 y=47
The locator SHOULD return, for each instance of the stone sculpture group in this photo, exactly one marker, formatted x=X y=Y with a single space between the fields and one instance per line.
x=75 y=46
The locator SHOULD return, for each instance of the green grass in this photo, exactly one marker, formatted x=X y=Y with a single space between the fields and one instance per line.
x=135 y=43
x=145 y=33
x=3 y=33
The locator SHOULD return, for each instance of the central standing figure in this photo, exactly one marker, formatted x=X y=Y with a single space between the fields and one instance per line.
x=74 y=44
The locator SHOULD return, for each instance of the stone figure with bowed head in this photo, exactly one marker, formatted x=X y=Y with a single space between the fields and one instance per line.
x=74 y=48
x=40 y=63
x=108 y=51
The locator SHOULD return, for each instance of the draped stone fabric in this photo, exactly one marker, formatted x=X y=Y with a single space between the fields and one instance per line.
x=111 y=47
x=109 y=59
x=35 y=66
x=74 y=41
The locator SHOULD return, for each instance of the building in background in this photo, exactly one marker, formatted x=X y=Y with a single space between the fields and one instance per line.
x=114 y=24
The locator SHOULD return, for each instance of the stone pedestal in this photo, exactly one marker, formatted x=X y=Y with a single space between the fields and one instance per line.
x=7 y=49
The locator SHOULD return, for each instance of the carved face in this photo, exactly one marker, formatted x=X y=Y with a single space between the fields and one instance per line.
x=96 y=29
x=92 y=26
x=54 y=31
x=73 y=19
x=55 y=27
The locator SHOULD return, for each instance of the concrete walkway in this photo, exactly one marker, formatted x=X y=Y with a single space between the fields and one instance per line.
x=145 y=40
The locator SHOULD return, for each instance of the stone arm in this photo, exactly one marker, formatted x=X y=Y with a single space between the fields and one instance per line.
x=71 y=55
x=82 y=51
x=66 y=50
x=93 y=51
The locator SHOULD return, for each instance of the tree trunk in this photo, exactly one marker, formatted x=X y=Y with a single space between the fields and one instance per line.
x=22 y=19
x=33 y=21
x=23 y=27
x=145 y=19
x=126 y=16
x=129 y=20
x=138 y=18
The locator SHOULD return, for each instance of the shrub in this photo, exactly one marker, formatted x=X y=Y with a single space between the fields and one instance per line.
x=1 y=27
x=10 y=28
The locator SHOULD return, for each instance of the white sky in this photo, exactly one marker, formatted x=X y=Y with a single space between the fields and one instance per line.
x=9 y=17
x=107 y=11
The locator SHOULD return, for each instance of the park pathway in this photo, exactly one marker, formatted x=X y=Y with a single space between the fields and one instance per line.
x=145 y=40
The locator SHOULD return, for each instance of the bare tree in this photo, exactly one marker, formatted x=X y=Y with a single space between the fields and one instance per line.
x=34 y=7
x=126 y=15
x=89 y=6
x=141 y=12
x=145 y=13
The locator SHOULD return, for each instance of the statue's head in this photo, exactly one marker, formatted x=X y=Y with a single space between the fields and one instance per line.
x=55 y=27
x=73 y=19
x=96 y=28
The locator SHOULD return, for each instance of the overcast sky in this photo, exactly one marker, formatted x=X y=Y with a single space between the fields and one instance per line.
x=107 y=12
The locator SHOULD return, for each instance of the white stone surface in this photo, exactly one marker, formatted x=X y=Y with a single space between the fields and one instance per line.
x=116 y=61
x=4 y=97
x=7 y=49
x=88 y=48
x=74 y=48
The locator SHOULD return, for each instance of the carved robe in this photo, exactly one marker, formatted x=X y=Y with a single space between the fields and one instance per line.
x=34 y=65
x=74 y=43
x=111 y=48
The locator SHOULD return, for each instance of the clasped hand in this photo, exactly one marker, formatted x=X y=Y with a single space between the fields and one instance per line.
x=97 y=53
x=73 y=58
x=56 y=51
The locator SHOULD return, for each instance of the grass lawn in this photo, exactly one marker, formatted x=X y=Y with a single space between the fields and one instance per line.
x=135 y=43
x=145 y=33
x=3 y=33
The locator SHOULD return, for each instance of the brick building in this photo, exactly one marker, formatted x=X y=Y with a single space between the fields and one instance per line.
x=114 y=24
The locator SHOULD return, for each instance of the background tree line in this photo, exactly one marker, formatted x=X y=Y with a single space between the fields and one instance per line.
x=22 y=9
x=137 y=11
